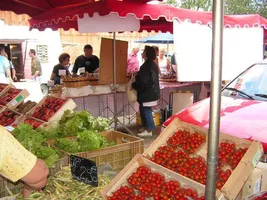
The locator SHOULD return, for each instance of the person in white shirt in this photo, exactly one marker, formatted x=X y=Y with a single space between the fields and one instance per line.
x=163 y=62
x=5 y=75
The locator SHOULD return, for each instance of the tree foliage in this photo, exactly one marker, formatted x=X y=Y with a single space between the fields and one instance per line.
x=231 y=6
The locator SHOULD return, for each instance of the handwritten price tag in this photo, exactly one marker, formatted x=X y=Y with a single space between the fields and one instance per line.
x=62 y=72
x=82 y=70
x=50 y=83
x=84 y=170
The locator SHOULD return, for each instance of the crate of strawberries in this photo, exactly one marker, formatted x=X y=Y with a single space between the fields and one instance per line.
x=8 y=117
x=51 y=108
x=182 y=148
x=13 y=97
x=143 y=179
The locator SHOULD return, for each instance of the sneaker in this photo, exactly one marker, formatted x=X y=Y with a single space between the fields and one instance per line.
x=142 y=129
x=145 y=134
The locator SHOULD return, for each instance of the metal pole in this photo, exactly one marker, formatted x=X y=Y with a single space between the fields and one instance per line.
x=115 y=80
x=215 y=105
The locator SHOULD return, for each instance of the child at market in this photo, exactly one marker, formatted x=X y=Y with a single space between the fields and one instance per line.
x=17 y=163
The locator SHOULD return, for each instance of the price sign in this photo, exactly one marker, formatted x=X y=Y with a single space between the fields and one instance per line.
x=84 y=170
x=82 y=70
x=50 y=83
x=62 y=72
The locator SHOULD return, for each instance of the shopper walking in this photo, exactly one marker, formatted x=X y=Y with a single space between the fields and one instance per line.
x=36 y=68
x=148 y=92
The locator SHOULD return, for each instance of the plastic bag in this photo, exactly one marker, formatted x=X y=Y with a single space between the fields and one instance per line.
x=131 y=93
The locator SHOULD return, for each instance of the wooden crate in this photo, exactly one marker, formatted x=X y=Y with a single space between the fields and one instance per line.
x=18 y=99
x=20 y=116
x=119 y=155
x=3 y=88
x=8 y=188
x=21 y=120
x=68 y=105
x=139 y=160
x=239 y=175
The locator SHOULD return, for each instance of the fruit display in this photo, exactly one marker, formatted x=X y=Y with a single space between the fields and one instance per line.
x=9 y=95
x=144 y=184
x=25 y=107
x=48 y=108
x=8 y=117
x=178 y=156
x=33 y=122
x=168 y=76
x=2 y=87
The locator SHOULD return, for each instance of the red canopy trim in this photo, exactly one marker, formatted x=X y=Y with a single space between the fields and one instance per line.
x=157 y=17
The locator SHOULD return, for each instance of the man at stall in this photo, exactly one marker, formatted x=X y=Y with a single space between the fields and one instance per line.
x=61 y=68
x=35 y=66
x=17 y=163
x=5 y=75
x=86 y=62
x=132 y=61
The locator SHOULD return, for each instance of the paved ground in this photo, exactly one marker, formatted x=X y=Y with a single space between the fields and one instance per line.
x=147 y=140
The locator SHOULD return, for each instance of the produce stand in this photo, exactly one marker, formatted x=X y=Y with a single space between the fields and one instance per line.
x=162 y=154
x=118 y=156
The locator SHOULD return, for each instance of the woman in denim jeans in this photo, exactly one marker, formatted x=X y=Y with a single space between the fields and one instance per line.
x=148 y=93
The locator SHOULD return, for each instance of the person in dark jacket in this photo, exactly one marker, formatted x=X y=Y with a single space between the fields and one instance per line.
x=148 y=92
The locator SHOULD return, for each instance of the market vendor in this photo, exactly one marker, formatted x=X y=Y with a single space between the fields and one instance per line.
x=163 y=62
x=17 y=163
x=87 y=62
x=132 y=61
x=36 y=67
x=61 y=68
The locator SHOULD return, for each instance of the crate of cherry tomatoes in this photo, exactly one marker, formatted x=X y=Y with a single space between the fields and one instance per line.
x=13 y=97
x=9 y=117
x=182 y=148
x=51 y=108
x=142 y=179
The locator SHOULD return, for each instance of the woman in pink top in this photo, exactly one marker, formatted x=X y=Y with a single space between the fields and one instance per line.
x=133 y=63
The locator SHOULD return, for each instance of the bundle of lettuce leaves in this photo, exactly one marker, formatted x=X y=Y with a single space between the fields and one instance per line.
x=74 y=132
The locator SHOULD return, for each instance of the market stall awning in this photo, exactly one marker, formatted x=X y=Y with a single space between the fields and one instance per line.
x=161 y=38
x=36 y=7
x=157 y=17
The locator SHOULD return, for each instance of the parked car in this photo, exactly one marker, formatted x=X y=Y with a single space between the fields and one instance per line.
x=243 y=107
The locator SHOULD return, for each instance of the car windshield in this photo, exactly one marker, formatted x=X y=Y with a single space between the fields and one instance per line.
x=251 y=84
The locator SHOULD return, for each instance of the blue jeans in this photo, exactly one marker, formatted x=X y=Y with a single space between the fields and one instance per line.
x=146 y=117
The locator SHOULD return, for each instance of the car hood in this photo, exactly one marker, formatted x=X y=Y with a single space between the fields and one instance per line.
x=239 y=117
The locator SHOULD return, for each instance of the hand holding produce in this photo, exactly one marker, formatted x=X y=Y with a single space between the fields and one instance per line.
x=63 y=186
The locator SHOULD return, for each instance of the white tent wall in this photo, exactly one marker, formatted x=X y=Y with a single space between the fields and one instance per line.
x=192 y=43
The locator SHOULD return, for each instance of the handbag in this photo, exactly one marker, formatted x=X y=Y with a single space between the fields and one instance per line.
x=131 y=93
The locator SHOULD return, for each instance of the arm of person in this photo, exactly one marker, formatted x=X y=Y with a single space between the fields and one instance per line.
x=174 y=68
x=75 y=67
x=168 y=66
x=37 y=73
x=52 y=76
x=97 y=65
x=14 y=74
x=17 y=163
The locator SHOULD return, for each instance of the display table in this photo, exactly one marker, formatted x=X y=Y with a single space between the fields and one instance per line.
x=99 y=100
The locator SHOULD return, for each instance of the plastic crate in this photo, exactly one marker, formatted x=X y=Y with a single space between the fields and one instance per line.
x=118 y=156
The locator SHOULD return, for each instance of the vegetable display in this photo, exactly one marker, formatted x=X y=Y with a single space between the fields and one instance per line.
x=9 y=95
x=85 y=141
x=7 y=117
x=33 y=141
x=72 y=123
x=180 y=155
x=146 y=184
x=62 y=186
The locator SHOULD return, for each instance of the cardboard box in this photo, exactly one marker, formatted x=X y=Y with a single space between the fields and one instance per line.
x=253 y=184
x=139 y=160
x=263 y=167
x=239 y=175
